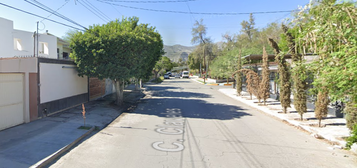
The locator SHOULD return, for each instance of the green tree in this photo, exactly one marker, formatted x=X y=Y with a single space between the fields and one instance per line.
x=199 y=32
x=162 y=66
x=223 y=66
x=329 y=29
x=248 y=27
x=284 y=76
x=299 y=74
x=264 y=84
x=150 y=50
x=112 y=51
x=69 y=35
x=253 y=82
x=194 y=60
x=321 y=104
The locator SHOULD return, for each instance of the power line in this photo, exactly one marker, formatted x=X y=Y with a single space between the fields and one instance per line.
x=54 y=12
x=40 y=16
x=97 y=10
x=100 y=17
x=172 y=1
x=44 y=7
x=189 y=9
x=197 y=13
x=116 y=9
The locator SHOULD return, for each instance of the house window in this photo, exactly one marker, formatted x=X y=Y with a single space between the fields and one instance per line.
x=17 y=44
x=58 y=53
x=43 y=48
x=65 y=55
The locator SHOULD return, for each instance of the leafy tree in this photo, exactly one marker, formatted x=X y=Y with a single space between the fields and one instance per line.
x=284 y=76
x=194 y=60
x=253 y=81
x=264 y=85
x=113 y=50
x=199 y=31
x=299 y=74
x=149 y=52
x=248 y=27
x=329 y=29
x=222 y=67
x=321 y=108
x=69 y=35
x=162 y=66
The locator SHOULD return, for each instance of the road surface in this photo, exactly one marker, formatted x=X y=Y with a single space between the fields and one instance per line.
x=182 y=124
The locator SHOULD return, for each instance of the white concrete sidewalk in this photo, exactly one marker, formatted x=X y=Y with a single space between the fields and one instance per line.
x=333 y=130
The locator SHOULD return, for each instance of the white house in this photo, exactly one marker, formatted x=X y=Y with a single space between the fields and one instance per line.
x=18 y=43
x=33 y=86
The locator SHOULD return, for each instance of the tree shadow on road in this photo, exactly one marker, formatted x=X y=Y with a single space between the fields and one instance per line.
x=164 y=93
x=190 y=108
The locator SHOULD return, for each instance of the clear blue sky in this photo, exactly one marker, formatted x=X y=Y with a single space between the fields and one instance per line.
x=175 y=28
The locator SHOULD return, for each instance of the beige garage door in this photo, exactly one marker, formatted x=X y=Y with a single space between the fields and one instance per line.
x=11 y=100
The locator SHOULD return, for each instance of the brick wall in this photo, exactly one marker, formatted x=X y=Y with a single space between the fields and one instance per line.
x=96 y=88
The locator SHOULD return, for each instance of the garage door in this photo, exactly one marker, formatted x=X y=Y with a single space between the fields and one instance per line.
x=11 y=100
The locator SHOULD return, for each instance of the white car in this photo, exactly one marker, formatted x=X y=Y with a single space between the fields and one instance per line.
x=185 y=74
x=166 y=76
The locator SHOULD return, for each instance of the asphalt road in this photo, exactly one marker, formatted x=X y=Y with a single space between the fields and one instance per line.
x=182 y=123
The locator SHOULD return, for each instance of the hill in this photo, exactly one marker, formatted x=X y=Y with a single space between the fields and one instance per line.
x=176 y=52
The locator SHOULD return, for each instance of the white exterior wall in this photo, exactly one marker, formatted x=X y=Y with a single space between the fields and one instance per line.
x=25 y=66
x=52 y=45
x=7 y=45
x=27 y=43
x=6 y=40
x=58 y=83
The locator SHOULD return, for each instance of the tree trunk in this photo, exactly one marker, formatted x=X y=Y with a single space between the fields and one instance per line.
x=301 y=116
x=137 y=84
x=156 y=74
x=204 y=64
x=284 y=109
x=319 y=122
x=141 y=83
x=119 y=88
x=227 y=80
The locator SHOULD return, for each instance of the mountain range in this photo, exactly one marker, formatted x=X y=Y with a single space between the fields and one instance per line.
x=176 y=52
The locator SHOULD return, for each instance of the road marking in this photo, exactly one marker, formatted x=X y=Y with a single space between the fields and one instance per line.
x=173 y=125
x=180 y=147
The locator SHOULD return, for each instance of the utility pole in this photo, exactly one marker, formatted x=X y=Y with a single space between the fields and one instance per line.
x=204 y=63
x=34 y=44
x=37 y=39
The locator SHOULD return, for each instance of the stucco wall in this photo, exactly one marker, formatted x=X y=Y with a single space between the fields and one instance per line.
x=26 y=42
x=6 y=41
x=25 y=66
x=7 y=44
x=58 y=81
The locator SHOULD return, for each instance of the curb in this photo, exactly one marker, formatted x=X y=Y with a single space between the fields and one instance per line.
x=337 y=143
x=44 y=162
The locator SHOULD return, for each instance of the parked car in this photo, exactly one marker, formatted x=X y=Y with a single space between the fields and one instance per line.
x=166 y=76
x=169 y=73
x=185 y=74
x=177 y=75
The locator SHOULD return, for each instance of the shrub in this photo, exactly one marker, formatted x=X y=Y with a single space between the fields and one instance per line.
x=353 y=138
